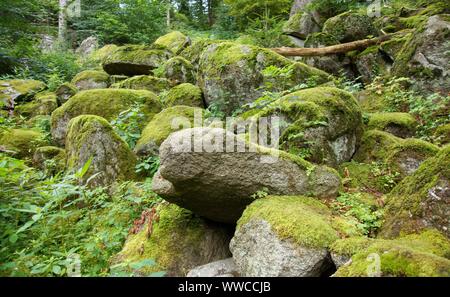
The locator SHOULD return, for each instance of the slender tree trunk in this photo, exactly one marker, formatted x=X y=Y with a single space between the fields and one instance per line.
x=168 y=20
x=62 y=23
x=334 y=49
x=210 y=13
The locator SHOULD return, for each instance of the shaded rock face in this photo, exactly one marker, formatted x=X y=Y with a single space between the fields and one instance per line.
x=178 y=70
x=222 y=268
x=259 y=252
x=107 y=103
x=50 y=159
x=421 y=200
x=92 y=138
x=231 y=75
x=219 y=185
x=64 y=92
x=135 y=59
x=424 y=58
x=178 y=241
x=87 y=46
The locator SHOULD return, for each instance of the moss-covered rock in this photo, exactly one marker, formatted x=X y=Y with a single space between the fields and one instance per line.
x=174 y=41
x=162 y=125
x=301 y=25
x=144 y=82
x=400 y=124
x=184 y=94
x=231 y=75
x=403 y=155
x=107 y=103
x=51 y=159
x=421 y=200
x=43 y=104
x=97 y=57
x=91 y=79
x=322 y=124
x=193 y=52
x=18 y=90
x=349 y=26
x=283 y=236
x=177 y=240
x=442 y=134
x=423 y=57
x=426 y=254
x=22 y=143
x=179 y=70
x=393 y=46
x=221 y=174
x=91 y=139
x=136 y=59
x=64 y=92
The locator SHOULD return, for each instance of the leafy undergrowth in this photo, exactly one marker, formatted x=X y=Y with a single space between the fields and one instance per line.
x=49 y=223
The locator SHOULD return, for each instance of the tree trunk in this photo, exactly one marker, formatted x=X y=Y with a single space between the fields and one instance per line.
x=334 y=49
x=62 y=23
x=168 y=20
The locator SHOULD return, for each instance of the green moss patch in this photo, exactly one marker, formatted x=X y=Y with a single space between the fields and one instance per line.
x=184 y=94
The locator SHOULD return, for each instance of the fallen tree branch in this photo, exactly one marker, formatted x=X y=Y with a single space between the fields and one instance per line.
x=334 y=49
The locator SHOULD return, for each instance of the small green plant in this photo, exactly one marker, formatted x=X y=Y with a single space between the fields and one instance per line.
x=148 y=166
x=127 y=124
x=369 y=218
x=264 y=192
x=385 y=175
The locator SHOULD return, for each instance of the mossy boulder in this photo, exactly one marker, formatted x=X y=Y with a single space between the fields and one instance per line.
x=107 y=103
x=283 y=236
x=136 y=59
x=21 y=143
x=91 y=140
x=231 y=75
x=322 y=124
x=424 y=56
x=184 y=94
x=174 y=41
x=51 y=159
x=221 y=174
x=43 y=104
x=193 y=52
x=300 y=25
x=179 y=70
x=349 y=26
x=64 y=92
x=91 y=79
x=144 y=82
x=163 y=124
x=393 y=46
x=418 y=255
x=442 y=134
x=177 y=240
x=400 y=124
x=421 y=200
x=98 y=56
x=17 y=91
x=403 y=155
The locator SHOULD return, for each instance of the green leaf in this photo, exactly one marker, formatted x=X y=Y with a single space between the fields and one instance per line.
x=13 y=238
x=85 y=168
x=157 y=274
x=56 y=269
x=143 y=263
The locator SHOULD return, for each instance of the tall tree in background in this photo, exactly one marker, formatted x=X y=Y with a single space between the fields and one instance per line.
x=62 y=23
